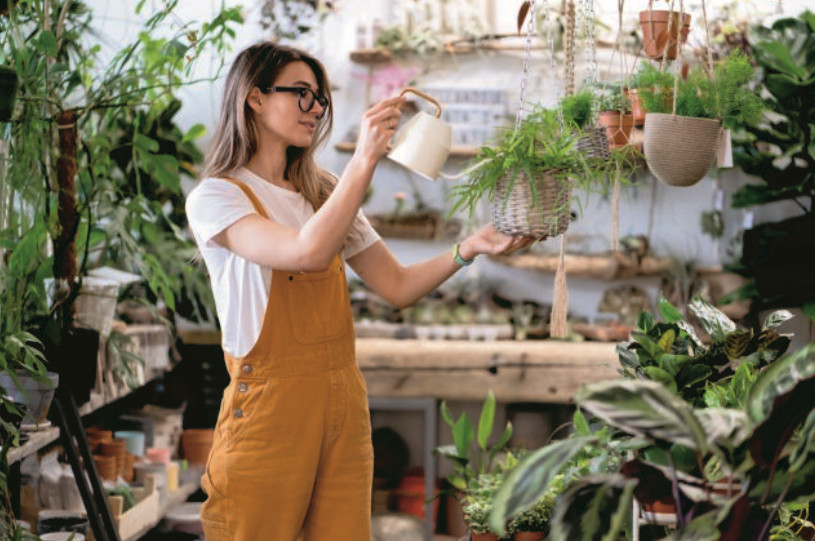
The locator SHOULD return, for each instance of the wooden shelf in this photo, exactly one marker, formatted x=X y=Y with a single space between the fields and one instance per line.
x=609 y=266
x=380 y=56
x=36 y=441
x=371 y=56
x=546 y=371
x=174 y=499
x=456 y=152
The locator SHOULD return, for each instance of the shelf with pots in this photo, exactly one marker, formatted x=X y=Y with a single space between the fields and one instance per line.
x=609 y=266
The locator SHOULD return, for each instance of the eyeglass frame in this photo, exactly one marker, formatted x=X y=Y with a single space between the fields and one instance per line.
x=301 y=90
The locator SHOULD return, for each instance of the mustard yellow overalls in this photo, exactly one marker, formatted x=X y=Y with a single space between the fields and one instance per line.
x=292 y=455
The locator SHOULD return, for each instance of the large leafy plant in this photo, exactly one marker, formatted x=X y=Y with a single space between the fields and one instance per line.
x=779 y=152
x=733 y=473
x=671 y=353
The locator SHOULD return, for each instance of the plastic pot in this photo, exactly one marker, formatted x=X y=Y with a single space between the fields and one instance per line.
x=8 y=92
x=680 y=150
x=36 y=395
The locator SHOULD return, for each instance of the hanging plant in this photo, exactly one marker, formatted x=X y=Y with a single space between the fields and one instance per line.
x=685 y=116
x=290 y=19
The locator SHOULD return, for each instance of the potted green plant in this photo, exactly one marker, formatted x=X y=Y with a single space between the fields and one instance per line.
x=474 y=459
x=683 y=128
x=661 y=32
x=532 y=524
x=529 y=176
x=578 y=110
x=671 y=353
x=8 y=92
x=615 y=114
x=478 y=506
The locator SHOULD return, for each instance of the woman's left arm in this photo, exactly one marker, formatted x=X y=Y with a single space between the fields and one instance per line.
x=402 y=285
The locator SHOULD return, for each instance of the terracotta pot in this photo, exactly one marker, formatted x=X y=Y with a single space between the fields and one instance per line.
x=529 y=536
x=483 y=536
x=196 y=444
x=656 y=32
x=618 y=127
x=660 y=507
x=410 y=497
x=636 y=106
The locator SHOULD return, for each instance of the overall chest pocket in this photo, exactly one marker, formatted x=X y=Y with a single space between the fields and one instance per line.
x=318 y=305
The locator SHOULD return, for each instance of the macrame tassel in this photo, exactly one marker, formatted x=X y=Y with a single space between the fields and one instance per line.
x=560 y=306
x=615 y=216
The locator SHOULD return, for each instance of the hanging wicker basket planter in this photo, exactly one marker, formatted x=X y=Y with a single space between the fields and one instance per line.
x=515 y=211
x=593 y=143
x=680 y=150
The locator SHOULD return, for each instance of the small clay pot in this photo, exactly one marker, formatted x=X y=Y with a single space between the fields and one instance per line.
x=529 y=536
x=483 y=536
x=661 y=28
x=636 y=106
x=618 y=127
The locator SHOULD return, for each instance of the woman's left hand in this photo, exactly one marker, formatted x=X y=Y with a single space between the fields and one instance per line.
x=489 y=241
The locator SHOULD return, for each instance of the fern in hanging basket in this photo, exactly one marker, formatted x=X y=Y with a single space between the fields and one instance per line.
x=680 y=148
x=529 y=176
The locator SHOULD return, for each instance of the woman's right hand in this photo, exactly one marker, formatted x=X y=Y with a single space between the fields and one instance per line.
x=378 y=125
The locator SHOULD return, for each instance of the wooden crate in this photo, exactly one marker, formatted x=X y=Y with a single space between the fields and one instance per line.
x=145 y=512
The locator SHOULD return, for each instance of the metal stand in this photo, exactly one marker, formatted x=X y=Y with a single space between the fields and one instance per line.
x=72 y=436
x=428 y=406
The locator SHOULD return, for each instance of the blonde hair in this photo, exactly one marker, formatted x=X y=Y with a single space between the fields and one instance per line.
x=235 y=139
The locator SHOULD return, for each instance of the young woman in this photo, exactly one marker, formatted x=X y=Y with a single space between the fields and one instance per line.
x=292 y=455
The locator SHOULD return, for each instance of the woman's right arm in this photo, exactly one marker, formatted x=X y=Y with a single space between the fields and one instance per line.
x=312 y=247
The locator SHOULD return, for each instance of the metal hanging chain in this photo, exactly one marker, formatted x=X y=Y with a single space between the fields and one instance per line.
x=569 y=46
x=591 y=54
x=553 y=61
x=530 y=31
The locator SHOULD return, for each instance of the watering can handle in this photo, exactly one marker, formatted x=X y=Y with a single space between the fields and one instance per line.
x=431 y=99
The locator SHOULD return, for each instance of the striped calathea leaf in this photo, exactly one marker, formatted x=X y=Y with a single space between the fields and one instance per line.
x=645 y=409
x=594 y=508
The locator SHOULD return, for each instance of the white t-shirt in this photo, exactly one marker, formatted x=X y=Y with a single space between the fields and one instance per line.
x=241 y=288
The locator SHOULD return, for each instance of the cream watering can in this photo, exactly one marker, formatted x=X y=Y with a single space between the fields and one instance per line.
x=423 y=144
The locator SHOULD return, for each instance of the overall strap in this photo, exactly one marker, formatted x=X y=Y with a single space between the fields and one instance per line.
x=250 y=194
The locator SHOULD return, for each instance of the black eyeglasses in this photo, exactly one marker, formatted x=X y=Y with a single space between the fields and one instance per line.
x=307 y=96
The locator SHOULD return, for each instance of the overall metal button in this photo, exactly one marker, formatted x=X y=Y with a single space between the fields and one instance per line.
x=243 y=387
x=247 y=368
x=238 y=414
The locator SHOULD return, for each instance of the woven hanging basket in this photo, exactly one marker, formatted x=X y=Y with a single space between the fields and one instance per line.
x=593 y=143
x=516 y=213
x=680 y=150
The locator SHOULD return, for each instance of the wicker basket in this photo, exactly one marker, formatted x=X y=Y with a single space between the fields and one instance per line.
x=516 y=213
x=680 y=150
x=594 y=143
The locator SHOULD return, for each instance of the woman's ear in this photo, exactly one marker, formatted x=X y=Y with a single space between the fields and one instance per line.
x=255 y=99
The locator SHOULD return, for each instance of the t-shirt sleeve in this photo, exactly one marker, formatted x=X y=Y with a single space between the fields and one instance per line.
x=367 y=236
x=213 y=206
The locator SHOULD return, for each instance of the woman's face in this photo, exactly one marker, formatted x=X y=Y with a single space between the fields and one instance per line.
x=280 y=112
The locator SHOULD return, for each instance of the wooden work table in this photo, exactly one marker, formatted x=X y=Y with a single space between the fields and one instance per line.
x=527 y=371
